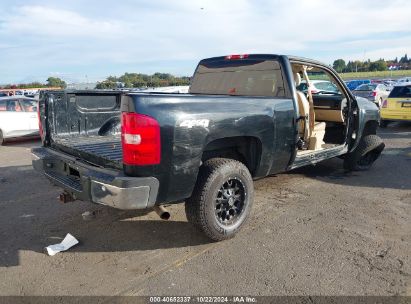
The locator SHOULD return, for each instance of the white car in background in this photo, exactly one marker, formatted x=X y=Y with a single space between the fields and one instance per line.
x=404 y=80
x=18 y=117
x=171 y=90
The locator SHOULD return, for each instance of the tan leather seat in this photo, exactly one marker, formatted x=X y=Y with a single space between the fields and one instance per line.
x=310 y=131
x=304 y=111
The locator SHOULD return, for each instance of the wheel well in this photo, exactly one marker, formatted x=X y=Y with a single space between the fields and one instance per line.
x=246 y=149
x=370 y=128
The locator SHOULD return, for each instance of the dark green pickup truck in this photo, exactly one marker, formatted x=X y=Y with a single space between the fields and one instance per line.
x=243 y=119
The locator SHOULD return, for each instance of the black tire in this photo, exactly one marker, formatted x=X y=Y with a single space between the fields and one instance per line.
x=222 y=198
x=383 y=123
x=1 y=138
x=367 y=152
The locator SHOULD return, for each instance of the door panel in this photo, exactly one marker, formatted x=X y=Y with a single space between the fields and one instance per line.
x=30 y=108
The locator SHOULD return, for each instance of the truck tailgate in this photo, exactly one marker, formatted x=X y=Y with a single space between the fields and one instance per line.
x=85 y=124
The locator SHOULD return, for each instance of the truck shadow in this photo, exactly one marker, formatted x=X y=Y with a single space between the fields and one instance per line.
x=391 y=170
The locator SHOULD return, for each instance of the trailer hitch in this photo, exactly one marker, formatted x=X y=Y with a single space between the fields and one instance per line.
x=66 y=197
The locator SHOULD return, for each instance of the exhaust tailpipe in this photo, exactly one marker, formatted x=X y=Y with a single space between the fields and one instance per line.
x=162 y=212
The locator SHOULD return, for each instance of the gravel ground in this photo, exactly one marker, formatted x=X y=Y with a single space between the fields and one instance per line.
x=313 y=231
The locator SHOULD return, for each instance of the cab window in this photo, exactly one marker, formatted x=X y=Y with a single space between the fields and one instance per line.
x=10 y=105
x=29 y=105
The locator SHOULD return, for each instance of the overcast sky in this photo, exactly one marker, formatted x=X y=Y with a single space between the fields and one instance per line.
x=90 y=40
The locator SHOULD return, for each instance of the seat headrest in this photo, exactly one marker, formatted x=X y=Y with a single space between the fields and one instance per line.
x=297 y=79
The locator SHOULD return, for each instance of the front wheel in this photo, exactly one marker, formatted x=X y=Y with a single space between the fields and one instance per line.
x=1 y=138
x=222 y=198
x=367 y=152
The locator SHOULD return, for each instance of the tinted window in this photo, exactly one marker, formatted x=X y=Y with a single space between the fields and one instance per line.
x=95 y=102
x=401 y=92
x=245 y=78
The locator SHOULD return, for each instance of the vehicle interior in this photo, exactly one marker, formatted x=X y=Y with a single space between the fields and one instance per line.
x=322 y=113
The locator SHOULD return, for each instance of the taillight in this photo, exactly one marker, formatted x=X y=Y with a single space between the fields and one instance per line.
x=236 y=57
x=385 y=104
x=373 y=93
x=140 y=139
x=39 y=120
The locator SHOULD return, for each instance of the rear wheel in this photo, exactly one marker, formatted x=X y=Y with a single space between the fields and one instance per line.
x=1 y=138
x=222 y=199
x=367 y=152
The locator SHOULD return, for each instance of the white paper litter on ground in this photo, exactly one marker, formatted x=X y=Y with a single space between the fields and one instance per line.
x=68 y=242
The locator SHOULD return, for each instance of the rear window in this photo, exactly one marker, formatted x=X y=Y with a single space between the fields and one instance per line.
x=245 y=78
x=366 y=87
x=94 y=102
x=401 y=92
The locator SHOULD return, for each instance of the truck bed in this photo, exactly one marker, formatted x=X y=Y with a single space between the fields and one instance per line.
x=85 y=124
x=100 y=150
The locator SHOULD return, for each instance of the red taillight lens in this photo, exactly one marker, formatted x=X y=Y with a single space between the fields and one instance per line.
x=384 y=104
x=140 y=138
x=236 y=57
x=373 y=93
x=39 y=120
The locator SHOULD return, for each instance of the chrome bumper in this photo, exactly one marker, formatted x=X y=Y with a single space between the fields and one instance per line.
x=89 y=183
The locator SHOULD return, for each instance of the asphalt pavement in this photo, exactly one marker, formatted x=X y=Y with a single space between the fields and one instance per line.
x=313 y=231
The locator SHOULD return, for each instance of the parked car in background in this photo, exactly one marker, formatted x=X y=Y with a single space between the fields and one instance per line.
x=353 y=84
x=389 y=83
x=397 y=107
x=18 y=118
x=404 y=80
x=170 y=89
x=376 y=93
x=318 y=87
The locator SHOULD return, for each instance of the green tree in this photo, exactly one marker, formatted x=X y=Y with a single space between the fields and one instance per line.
x=56 y=82
x=339 y=65
x=404 y=59
x=379 y=65
x=106 y=84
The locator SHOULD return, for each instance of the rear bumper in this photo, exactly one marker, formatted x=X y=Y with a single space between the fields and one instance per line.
x=89 y=183
x=395 y=115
